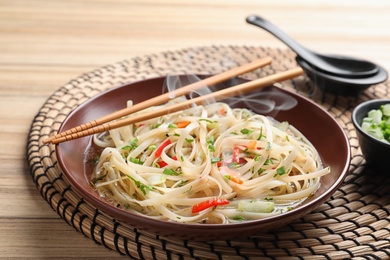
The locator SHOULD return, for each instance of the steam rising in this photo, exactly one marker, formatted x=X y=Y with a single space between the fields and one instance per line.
x=266 y=101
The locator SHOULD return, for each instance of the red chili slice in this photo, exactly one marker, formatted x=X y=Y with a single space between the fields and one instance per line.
x=159 y=149
x=163 y=163
x=209 y=203
x=236 y=153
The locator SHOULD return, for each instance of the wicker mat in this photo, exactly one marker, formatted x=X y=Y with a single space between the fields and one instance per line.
x=353 y=223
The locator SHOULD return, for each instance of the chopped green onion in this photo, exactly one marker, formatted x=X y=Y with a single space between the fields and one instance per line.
x=281 y=171
x=136 y=161
x=171 y=172
x=377 y=123
x=152 y=147
x=189 y=140
x=140 y=185
x=245 y=131
x=215 y=160
x=207 y=120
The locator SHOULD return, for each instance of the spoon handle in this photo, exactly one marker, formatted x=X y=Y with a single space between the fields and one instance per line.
x=278 y=33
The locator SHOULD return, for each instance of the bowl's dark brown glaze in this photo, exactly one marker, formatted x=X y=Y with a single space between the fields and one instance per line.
x=321 y=129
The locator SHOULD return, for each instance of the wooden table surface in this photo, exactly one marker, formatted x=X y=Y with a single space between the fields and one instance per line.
x=46 y=43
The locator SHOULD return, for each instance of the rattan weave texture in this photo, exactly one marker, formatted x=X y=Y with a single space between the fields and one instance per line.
x=353 y=223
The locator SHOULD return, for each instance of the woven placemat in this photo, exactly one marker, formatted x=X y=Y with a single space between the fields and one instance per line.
x=353 y=223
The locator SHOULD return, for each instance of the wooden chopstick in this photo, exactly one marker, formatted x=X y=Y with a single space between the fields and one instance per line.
x=218 y=95
x=167 y=96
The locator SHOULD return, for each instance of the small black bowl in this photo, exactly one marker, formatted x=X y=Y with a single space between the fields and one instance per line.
x=375 y=151
x=341 y=85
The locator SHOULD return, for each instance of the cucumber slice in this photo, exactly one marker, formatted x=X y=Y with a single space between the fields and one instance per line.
x=256 y=206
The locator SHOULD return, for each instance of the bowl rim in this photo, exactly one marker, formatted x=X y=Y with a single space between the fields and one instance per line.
x=303 y=210
x=369 y=104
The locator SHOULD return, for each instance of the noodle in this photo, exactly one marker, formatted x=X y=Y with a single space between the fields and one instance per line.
x=207 y=164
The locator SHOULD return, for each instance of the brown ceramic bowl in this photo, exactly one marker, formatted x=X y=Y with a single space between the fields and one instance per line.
x=315 y=123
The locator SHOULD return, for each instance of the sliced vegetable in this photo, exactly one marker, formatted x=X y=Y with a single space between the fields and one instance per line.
x=209 y=203
x=182 y=124
x=132 y=145
x=136 y=160
x=171 y=172
x=163 y=163
x=256 y=206
x=377 y=123
x=251 y=144
x=215 y=160
x=222 y=111
x=159 y=149
x=386 y=109
x=156 y=179
x=230 y=174
x=235 y=179
x=236 y=153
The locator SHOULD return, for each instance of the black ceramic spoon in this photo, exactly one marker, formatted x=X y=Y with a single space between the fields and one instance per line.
x=340 y=66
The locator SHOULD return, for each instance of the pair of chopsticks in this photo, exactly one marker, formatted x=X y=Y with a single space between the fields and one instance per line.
x=106 y=123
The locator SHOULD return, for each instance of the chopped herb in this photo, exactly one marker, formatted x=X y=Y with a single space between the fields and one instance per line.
x=245 y=131
x=239 y=218
x=183 y=182
x=188 y=189
x=261 y=170
x=136 y=161
x=172 y=126
x=171 y=172
x=132 y=145
x=176 y=134
x=281 y=170
x=181 y=158
x=126 y=148
x=207 y=120
x=256 y=158
x=189 y=140
x=261 y=134
x=155 y=126
x=268 y=146
x=140 y=185
x=152 y=147
x=210 y=141
x=215 y=160
x=94 y=180
x=268 y=161
x=233 y=165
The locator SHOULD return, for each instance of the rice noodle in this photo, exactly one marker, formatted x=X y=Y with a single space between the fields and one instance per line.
x=164 y=167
